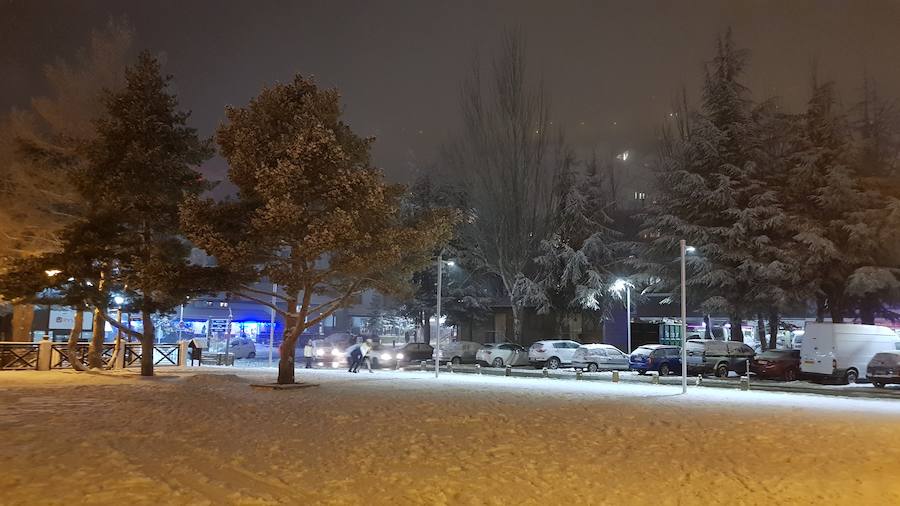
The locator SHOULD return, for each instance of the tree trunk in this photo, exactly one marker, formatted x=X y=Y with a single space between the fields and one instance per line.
x=426 y=326
x=867 y=308
x=774 y=319
x=23 y=317
x=288 y=349
x=707 y=332
x=72 y=347
x=517 y=323
x=737 y=334
x=761 y=332
x=95 y=350
x=837 y=316
x=147 y=337
x=820 y=309
x=286 y=362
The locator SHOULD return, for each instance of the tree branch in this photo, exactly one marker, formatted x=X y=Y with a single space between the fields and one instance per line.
x=263 y=292
x=277 y=309
x=123 y=328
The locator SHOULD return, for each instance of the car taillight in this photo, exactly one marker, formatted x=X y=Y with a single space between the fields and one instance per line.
x=539 y=350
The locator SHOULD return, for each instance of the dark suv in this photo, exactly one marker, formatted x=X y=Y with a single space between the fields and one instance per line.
x=712 y=356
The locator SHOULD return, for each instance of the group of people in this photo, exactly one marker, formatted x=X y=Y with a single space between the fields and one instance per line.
x=356 y=355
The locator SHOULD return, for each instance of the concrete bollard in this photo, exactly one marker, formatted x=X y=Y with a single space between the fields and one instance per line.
x=477 y=368
x=745 y=383
x=45 y=354
x=182 y=353
x=699 y=380
x=545 y=373
x=579 y=375
x=450 y=367
x=508 y=371
x=654 y=378
x=615 y=376
x=422 y=365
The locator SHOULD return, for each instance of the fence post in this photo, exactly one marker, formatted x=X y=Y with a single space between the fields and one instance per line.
x=182 y=353
x=615 y=376
x=45 y=354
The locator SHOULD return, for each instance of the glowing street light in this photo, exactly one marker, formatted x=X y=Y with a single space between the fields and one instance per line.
x=119 y=300
x=52 y=272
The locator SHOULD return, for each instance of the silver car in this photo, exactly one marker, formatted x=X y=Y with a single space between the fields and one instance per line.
x=502 y=355
x=600 y=357
x=460 y=352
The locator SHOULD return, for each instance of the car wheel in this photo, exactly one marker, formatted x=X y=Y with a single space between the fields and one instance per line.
x=553 y=363
x=790 y=374
x=252 y=354
x=722 y=371
x=593 y=368
x=878 y=384
x=456 y=361
x=850 y=377
x=498 y=362
x=664 y=370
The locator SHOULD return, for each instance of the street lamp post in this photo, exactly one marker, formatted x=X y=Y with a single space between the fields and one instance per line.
x=683 y=320
x=272 y=322
x=437 y=350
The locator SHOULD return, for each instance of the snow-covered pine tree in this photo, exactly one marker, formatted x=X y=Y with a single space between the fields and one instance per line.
x=575 y=262
x=824 y=201
x=708 y=194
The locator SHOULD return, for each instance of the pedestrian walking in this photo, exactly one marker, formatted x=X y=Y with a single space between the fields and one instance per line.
x=366 y=348
x=308 y=354
x=354 y=357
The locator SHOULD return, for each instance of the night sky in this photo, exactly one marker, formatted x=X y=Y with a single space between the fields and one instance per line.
x=611 y=68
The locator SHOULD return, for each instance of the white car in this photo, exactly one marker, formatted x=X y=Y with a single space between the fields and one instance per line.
x=600 y=357
x=552 y=353
x=460 y=352
x=241 y=347
x=502 y=355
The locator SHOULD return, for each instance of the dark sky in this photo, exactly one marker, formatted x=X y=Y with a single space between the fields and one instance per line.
x=611 y=67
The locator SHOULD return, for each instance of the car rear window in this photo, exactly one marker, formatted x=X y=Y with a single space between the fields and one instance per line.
x=695 y=346
x=887 y=358
x=641 y=351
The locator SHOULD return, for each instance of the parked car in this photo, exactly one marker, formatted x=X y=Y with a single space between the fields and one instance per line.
x=460 y=352
x=719 y=357
x=781 y=364
x=599 y=357
x=241 y=347
x=884 y=368
x=502 y=355
x=552 y=353
x=843 y=350
x=661 y=358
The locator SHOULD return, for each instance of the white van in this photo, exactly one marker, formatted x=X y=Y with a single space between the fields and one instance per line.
x=842 y=350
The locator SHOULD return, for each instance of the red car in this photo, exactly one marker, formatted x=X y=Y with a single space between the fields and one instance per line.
x=777 y=364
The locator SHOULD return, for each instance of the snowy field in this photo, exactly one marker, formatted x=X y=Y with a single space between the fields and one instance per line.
x=205 y=437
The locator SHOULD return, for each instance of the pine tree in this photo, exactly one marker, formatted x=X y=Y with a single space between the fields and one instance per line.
x=312 y=215
x=140 y=167
x=575 y=263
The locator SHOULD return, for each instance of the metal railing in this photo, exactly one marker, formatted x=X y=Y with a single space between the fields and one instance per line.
x=27 y=355
x=18 y=356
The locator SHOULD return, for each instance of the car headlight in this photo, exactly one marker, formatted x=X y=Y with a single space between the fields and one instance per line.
x=385 y=356
x=320 y=353
x=335 y=352
x=399 y=356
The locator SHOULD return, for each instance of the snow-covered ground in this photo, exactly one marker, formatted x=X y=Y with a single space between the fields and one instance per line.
x=205 y=437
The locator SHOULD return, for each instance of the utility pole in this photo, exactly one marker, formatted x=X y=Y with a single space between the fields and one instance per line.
x=437 y=317
x=683 y=320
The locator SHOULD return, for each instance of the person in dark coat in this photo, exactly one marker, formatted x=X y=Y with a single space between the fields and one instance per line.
x=356 y=357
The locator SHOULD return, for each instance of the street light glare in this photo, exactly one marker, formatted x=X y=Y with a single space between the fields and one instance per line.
x=690 y=249
x=52 y=272
x=118 y=299
x=451 y=263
